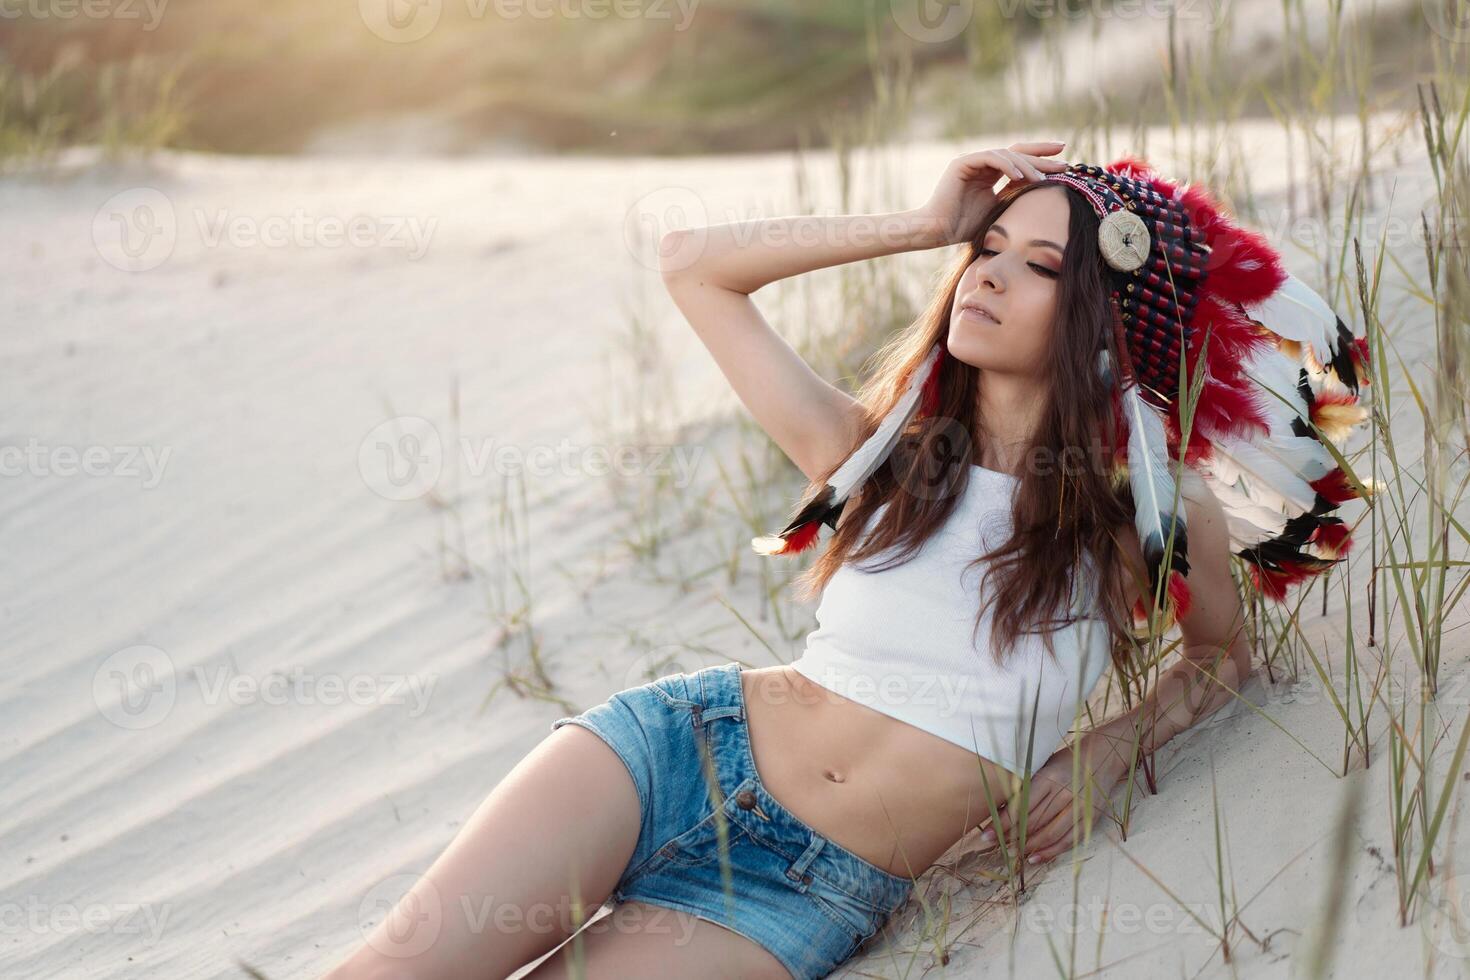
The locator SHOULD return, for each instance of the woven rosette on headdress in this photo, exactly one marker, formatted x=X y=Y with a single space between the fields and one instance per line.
x=1281 y=379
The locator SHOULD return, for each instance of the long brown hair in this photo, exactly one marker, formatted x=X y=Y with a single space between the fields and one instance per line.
x=1066 y=506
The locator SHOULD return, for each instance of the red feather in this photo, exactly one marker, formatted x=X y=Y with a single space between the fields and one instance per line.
x=929 y=394
x=1228 y=404
x=1269 y=584
x=1334 y=487
x=1361 y=360
x=1274 y=584
x=1177 y=602
x=1179 y=593
x=802 y=538
x=1334 y=538
x=1243 y=267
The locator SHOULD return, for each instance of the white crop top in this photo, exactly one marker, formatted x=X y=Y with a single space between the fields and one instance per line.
x=899 y=640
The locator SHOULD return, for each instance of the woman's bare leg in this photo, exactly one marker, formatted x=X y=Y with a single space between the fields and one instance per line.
x=636 y=941
x=501 y=894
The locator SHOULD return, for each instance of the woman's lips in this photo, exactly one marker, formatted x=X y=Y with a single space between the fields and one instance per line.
x=976 y=314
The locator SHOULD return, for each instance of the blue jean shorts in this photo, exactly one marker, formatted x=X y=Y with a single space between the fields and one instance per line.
x=715 y=843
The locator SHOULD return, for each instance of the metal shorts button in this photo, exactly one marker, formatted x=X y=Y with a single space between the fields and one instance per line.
x=745 y=799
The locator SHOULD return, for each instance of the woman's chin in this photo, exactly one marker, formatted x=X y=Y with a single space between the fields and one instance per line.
x=978 y=352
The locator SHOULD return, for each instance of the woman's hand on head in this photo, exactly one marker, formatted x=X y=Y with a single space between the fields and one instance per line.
x=967 y=188
x=1056 y=807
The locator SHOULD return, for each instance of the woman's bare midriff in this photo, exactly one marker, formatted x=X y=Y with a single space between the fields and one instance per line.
x=891 y=793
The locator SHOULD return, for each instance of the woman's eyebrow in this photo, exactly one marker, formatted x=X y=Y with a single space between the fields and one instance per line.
x=1045 y=243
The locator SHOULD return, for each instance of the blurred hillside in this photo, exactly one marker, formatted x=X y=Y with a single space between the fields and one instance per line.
x=450 y=76
x=266 y=75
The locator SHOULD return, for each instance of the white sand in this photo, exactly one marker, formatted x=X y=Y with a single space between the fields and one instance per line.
x=209 y=822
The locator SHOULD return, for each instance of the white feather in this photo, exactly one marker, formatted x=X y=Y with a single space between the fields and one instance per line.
x=1276 y=375
x=1261 y=476
x=1303 y=455
x=1297 y=313
x=1249 y=523
x=871 y=454
x=1148 y=472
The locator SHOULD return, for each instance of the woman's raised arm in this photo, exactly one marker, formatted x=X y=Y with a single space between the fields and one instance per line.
x=710 y=273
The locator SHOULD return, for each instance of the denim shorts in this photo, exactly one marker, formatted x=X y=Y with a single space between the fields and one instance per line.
x=715 y=843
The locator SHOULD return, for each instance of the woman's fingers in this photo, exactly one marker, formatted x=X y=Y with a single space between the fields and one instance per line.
x=1032 y=165
x=1018 y=165
x=1001 y=821
x=1000 y=161
x=1039 y=146
x=1048 y=838
x=1020 y=161
x=1040 y=808
x=997 y=160
x=1028 y=163
x=1038 y=818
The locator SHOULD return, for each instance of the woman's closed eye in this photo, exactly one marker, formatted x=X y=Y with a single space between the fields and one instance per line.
x=1051 y=273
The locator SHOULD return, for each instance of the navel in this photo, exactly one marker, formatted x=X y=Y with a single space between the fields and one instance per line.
x=834 y=775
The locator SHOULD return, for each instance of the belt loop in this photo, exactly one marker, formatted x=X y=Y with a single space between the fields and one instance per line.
x=797 y=872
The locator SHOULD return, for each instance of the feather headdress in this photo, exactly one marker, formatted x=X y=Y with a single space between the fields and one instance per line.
x=1274 y=375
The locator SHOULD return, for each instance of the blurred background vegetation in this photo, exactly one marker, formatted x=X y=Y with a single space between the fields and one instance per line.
x=290 y=76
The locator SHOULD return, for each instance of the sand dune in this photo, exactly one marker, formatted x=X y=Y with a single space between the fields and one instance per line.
x=313 y=728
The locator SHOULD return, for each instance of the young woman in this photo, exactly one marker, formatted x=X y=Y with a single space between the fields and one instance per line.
x=766 y=822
